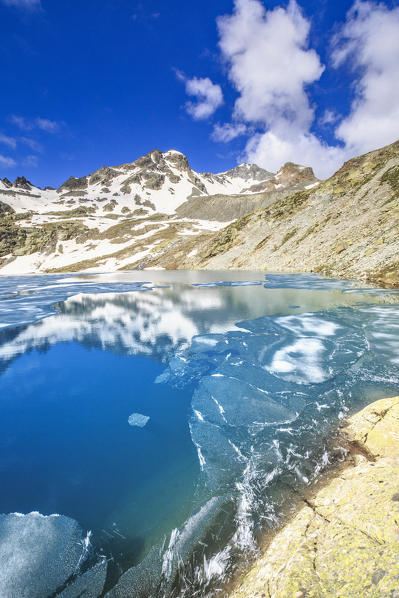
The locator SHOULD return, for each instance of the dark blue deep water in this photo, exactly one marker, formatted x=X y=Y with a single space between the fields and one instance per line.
x=153 y=425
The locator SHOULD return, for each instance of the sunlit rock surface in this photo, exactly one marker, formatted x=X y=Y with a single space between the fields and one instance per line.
x=344 y=541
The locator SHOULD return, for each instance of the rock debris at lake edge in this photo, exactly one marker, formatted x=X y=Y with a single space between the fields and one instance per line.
x=344 y=539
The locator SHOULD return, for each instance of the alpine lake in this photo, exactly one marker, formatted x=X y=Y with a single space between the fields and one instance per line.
x=154 y=424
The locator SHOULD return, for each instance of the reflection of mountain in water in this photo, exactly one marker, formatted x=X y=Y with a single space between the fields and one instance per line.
x=152 y=323
x=155 y=322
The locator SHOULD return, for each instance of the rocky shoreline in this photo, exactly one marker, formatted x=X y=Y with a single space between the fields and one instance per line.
x=343 y=540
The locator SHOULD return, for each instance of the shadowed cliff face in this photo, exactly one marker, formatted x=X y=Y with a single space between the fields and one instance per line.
x=345 y=226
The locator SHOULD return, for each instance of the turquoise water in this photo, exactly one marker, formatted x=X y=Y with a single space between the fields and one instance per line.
x=153 y=425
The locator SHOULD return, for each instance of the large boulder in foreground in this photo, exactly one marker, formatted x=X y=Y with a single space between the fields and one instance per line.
x=344 y=540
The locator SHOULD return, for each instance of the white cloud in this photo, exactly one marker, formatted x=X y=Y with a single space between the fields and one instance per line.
x=209 y=96
x=272 y=149
x=271 y=65
x=34 y=145
x=228 y=131
x=7 y=162
x=50 y=126
x=45 y=124
x=369 y=42
x=20 y=122
x=10 y=141
x=31 y=161
x=329 y=118
x=22 y=3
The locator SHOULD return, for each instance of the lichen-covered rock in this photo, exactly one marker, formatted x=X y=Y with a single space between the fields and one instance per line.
x=344 y=541
x=5 y=208
x=21 y=240
x=179 y=161
x=110 y=206
x=154 y=180
x=103 y=175
x=74 y=184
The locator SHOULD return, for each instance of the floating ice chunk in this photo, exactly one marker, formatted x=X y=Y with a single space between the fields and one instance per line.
x=138 y=419
x=38 y=553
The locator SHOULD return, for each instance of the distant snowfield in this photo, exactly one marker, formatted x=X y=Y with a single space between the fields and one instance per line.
x=99 y=218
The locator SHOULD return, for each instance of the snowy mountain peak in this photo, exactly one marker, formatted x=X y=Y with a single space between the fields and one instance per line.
x=20 y=183
x=247 y=172
x=120 y=216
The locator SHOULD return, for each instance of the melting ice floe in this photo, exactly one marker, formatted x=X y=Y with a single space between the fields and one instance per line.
x=253 y=383
x=156 y=574
x=40 y=554
x=138 y=419
x=181 y=541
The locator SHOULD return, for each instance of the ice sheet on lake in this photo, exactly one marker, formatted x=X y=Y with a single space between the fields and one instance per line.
x=38 y=554
x=258 y=379
x=88 y=585
x=382 y=331
x=302 y=361
x=138 y=419
x=234 y=283
x=182 y=540
x=265 y=396
x=156 y=574
x=142 y=580
x=306 y=281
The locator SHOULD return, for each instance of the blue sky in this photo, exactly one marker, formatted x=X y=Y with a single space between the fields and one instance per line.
x=105 y=81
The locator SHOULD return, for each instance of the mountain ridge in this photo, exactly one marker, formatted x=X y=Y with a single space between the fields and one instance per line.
x=347 y=226
x=158 y=213
x=106 y=215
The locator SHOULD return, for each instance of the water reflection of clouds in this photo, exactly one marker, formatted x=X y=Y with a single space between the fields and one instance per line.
x=151 y=323
x=151 y=320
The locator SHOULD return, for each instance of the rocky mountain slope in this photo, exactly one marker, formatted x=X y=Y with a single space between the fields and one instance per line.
x=346 y=226
x=125 y=215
